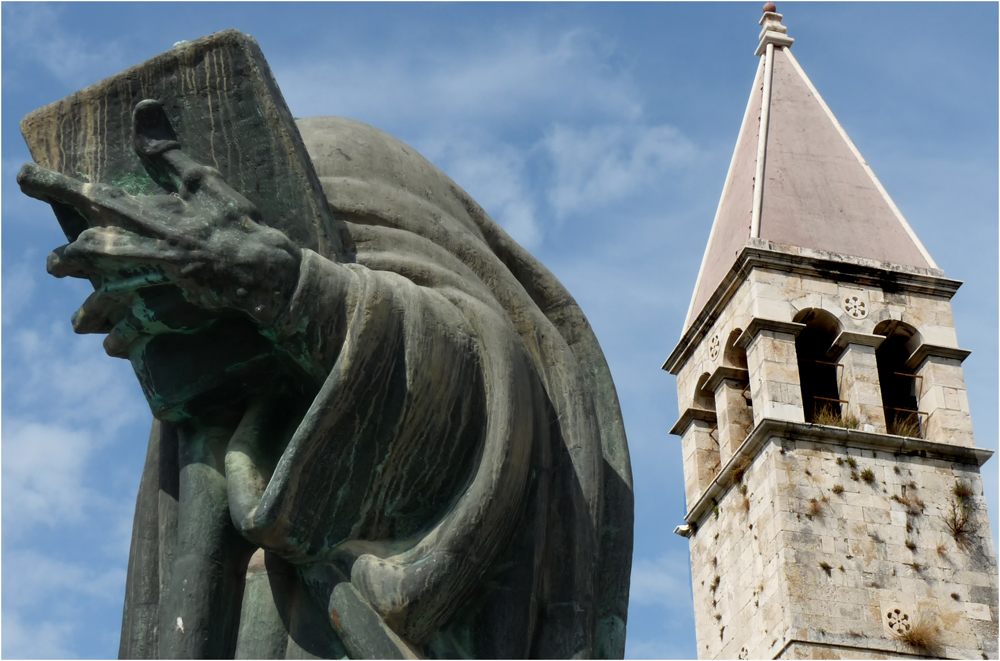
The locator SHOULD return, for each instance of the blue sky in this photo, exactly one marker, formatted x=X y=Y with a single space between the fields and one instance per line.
x=598 y=135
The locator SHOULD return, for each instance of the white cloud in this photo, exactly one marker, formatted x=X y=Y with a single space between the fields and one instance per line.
x=18 y=289
x=45 y=363
x=35 y=639
x=663 y=648
x=587 y=147
x=31 y=579
x=42 y=38
x=43 y=474
x=602 y=164
x=665 y=581
x=495 y=175
x=49 y=450
x=510 y=78
x=507 y=76
x=660 y=595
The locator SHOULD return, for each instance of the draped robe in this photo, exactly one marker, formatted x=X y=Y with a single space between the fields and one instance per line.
x=448 y=478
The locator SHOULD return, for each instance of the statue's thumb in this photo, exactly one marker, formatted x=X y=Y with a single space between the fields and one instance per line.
x=152 y=133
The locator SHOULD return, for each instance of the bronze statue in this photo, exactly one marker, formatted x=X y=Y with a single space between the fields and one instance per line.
x=398 y=438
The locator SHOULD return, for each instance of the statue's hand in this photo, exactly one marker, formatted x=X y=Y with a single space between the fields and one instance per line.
x=205 y=238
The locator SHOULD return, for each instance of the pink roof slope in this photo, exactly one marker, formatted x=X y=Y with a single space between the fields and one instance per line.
x=818 y=192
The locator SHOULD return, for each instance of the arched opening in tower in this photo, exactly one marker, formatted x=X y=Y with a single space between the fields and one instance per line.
x=900 y=388
x=740 y=413
x=703 y=397
x=708 y=453
x=818 y=375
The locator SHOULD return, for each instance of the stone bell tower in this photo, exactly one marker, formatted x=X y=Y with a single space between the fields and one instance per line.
x=835 y=506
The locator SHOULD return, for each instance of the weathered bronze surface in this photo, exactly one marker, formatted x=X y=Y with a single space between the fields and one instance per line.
x=382 y=429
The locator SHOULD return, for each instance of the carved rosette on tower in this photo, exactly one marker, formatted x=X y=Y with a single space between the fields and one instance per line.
x=832 y=478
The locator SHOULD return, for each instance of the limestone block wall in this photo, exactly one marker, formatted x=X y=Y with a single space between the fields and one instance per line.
x=814 y=548
x=867 y=533
x=736 y=570
x=859 y=385
x=809 y=555
x=735 y=418
x=859 y=310
x=701 y=458
x=943 y=397
x=710 y=352
x=774 y=376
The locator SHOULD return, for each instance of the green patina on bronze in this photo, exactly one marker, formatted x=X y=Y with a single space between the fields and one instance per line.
x=135 y=185
x=382 y=429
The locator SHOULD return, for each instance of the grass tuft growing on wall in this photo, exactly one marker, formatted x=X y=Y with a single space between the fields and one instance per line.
x=830 y=415
x=958 y=520
x=922 y=635
x=962 y=491
x=908 y=426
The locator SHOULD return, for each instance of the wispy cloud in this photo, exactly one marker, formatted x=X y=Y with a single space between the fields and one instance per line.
x=667 y=647
x=665 y=581
x=495 y=174
x=660 y=604
x=43 y=475
x=600 y=165
x=41 y=579
x=48 y=362
x=48 y=471
x=588 y=146
x=29 y=638
x=48 y=603
x=507 y=76
x=36 y=33
x=18 y=287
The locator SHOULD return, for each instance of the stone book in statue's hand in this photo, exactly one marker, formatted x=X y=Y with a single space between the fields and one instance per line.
x=186 y=193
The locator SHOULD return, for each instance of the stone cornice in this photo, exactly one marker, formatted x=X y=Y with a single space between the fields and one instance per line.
x=760 y=253
x=689 y=416
x=850 y=337
x=723 y=372
x=757 y=324
x=846 y=646
x=925 y=351
x=769 y=429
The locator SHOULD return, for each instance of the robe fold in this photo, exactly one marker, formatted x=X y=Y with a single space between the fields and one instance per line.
x=455 y=483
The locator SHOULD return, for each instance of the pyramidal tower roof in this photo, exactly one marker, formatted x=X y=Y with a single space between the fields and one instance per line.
x=796 y=178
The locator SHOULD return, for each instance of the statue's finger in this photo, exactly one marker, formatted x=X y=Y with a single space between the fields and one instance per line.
x=156 y=142
x=103 y=205
x=120 y=338
x=116 y=253
x=59 y=266
x=108 y=304
x=100 y=203
x=153 y=135
x=111 y=245
x=207 y=185
x=96 y=313
x=125 y=287
x=47 y=185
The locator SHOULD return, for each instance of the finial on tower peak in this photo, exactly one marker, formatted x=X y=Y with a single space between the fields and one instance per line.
x=772 y=32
